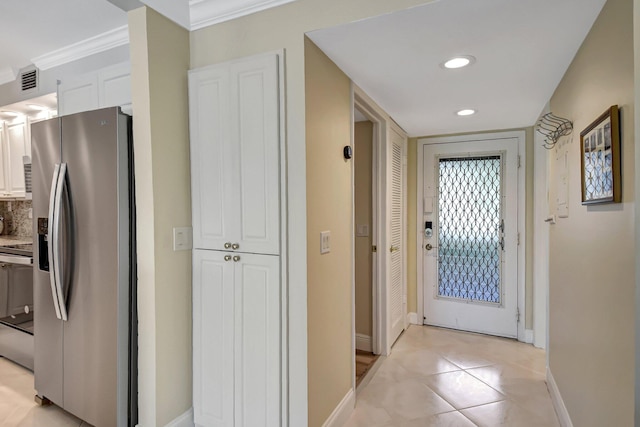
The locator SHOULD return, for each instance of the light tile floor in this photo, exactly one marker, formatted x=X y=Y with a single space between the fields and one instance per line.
x=17 y=407
x=440 y=377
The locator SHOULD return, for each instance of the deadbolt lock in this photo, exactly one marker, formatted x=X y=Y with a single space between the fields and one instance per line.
x=428 y=246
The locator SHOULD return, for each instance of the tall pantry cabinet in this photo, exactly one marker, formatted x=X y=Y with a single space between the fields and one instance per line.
x=235 y=132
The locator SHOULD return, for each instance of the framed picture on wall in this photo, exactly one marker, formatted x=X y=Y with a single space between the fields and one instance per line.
x=600 y=159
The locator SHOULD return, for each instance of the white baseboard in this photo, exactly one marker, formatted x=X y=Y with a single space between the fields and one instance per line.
x=363 y=342
x=528 y=336
x=558 y=403
x=184 y=420
x=343 y=411
x=412 y=318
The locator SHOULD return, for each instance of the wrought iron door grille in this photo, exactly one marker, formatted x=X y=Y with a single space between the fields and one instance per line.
x=469 y=215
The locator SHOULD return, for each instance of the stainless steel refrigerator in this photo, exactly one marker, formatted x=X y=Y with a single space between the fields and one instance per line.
x=84 y=266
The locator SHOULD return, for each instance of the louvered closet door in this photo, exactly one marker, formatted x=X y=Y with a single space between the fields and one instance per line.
x=396 y=290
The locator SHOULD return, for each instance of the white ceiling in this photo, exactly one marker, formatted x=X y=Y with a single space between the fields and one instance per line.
x=522 y=47
x=29 y=29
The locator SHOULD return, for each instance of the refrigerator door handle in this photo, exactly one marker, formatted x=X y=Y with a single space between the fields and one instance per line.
x=62 y=184
x=58 y=185
x=53 y=238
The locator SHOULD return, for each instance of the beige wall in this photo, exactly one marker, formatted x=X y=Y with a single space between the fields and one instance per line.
x=412 y=230
x=329 y=200
x=362 y=159
x=284 y=27
x=591 y=267
x=163 y=199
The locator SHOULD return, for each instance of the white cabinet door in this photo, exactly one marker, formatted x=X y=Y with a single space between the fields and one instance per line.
x=19 y=145
x=257 y=340
x=235 y=154
x=15 y=143
x=78 y=94
x=213 y=339
x=236 y=330
x=256 y=136
x=107 y=87
x=213 y=160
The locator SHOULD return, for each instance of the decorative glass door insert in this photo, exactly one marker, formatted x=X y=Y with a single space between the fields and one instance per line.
x=470 y=226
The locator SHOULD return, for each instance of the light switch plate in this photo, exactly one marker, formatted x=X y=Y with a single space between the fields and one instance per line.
x=182 y=239
x=325 y=242
x=362 y=230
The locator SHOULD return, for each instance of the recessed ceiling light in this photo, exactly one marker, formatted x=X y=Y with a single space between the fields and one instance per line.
x=10 y=113
x=459 y=62
x=466 y=112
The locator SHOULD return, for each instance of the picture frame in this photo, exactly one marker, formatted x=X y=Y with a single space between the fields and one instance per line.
x=600 y=159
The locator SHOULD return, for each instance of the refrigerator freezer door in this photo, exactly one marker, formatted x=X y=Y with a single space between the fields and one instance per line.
x=45 y=149
x=59 y=188
x=95 y=150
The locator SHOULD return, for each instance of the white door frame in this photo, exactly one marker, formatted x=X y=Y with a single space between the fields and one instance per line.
x=382 y=124
x=520 y=136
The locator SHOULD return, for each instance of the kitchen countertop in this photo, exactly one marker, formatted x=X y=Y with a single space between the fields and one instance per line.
x=14 y=240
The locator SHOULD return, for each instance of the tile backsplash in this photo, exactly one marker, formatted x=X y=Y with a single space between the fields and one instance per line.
x=22 y=224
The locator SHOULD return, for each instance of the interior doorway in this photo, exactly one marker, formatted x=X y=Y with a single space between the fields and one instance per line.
x=364 y=243
x=379 y=228
x=363 y=268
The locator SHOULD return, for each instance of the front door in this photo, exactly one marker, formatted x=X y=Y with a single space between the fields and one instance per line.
x=470 y=239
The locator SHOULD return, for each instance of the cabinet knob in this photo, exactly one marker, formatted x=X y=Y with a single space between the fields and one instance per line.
x=227 y=257
x=235 y=246
x=227 y=245
x=236 y=258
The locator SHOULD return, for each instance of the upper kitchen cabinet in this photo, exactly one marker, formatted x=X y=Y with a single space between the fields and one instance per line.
x=108 y=87
x=15 y=143
x=235 y=155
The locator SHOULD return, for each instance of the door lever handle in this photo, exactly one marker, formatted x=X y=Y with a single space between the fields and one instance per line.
x=394 y=248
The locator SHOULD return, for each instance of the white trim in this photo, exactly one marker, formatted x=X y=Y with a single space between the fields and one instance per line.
x=184 y=420
x=412 y=318
x=289 y=339
x=369 y=108
x=528 y=336
x=7 y=75
x=208 y=12
x=363 y=342
x=100 y=43
x=540 y=241
x=522 y=232
x=558 y=403
x=354 y=336
x=520 y=135
x=342 y=412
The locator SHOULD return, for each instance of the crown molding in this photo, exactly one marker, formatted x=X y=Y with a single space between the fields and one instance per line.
x=7 y=75
x=84 y=48
x=208 y=12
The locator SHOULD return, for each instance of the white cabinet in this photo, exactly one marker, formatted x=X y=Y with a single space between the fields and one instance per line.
x=108 y=87
x=235 y=142
x=15 y=143
x=236 y=326
x=237 y=300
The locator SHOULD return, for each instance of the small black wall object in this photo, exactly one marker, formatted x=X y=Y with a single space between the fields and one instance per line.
x=347 y=152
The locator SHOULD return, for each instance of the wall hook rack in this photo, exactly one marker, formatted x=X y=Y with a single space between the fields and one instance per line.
x=553 y=127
